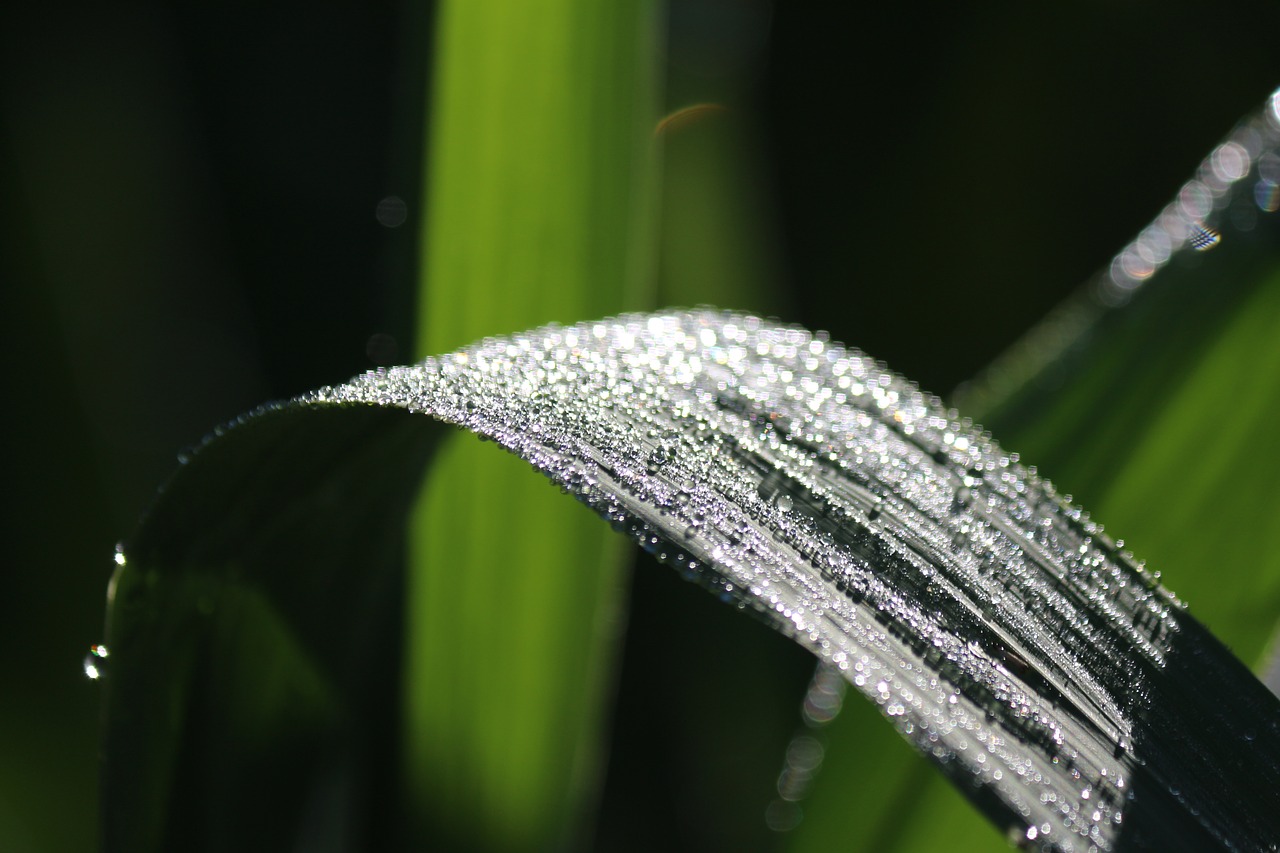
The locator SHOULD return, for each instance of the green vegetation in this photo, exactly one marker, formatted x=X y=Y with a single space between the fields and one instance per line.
x=547 y=198
x=540 y=182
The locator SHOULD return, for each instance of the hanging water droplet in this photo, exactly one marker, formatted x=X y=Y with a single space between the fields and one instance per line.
x=784 y=503
x=95 y=662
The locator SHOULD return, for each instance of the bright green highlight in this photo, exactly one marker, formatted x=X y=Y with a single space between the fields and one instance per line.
x=539 y=187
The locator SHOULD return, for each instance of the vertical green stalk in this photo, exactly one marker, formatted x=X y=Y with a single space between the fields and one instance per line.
x=539 y=204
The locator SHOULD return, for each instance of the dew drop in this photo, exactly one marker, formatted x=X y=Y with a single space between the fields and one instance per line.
x=782 y=816
x=1204 y=238
x=785 y=503
x=95 y=662
x=391 y=212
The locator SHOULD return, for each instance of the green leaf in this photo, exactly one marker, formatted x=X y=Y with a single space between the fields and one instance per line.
x=1191 y=381
x=1158 y=412
x=539 y=186
x=716 y=239
x=1014 y=645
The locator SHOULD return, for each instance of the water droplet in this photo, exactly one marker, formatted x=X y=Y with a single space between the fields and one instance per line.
x=782 y=816
x=1266 y=195
x=382 y=350
x=391 y=212
x=658 y=457
x=1204 y=238
x=784 y=503
x=95 y=662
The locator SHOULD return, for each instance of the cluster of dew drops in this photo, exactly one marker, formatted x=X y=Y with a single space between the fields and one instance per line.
x=97 y=660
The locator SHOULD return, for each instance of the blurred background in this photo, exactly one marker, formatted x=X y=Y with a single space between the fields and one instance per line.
x=208 y=207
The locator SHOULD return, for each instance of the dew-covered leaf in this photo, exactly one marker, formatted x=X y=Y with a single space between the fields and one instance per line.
x=1159 y=411
x=1065 y=692
x=1152 y=395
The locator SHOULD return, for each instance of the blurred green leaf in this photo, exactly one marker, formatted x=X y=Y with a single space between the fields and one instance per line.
x=716 y=237
x=539 y=187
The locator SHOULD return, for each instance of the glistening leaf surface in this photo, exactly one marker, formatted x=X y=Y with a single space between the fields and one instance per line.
x=1152 y=396
x=1169 y=401
x=1064 y=692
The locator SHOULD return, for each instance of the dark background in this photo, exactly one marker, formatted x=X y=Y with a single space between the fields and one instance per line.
x=188 y=196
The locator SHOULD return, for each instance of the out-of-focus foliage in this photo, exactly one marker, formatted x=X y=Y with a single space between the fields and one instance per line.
x=540 y=174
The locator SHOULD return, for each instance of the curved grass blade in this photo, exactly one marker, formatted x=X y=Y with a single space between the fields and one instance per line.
x=1150 y=395
x=1066 y=693
x=1185 y=369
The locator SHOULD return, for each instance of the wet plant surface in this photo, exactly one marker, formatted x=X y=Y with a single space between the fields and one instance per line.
x=995 y=624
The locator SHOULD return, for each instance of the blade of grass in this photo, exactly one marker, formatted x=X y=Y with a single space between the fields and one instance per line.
x=1196 y=385
x=1131 y=417
x=1068 y=694
x=997 y=615
x=539 y=182
x=1208 y=522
